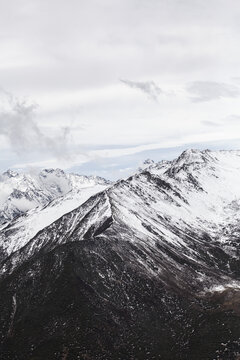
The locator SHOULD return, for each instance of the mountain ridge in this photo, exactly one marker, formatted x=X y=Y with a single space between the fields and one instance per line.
x=169 y=191
x=20 y=192
x=149 y=267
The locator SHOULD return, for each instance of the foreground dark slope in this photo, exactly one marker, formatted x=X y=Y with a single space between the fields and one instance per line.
x=134 y=273
x=64 y=304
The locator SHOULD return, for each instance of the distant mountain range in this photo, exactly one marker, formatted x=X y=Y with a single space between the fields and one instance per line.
x=144 y=268
x=21 y=192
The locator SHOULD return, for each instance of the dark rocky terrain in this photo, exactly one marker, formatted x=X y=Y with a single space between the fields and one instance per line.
x=147 y=269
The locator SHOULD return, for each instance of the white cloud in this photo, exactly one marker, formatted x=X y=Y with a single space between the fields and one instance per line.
x=70 y=61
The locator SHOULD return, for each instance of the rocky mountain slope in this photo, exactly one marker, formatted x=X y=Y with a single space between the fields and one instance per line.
x=21 y=192
x=15 y=234
x=148 y=268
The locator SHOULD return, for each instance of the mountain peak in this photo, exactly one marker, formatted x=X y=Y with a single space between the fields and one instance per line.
x=193 y=155
x=10 y=173
x=51 y=171
x=162 y=244
x=148 y=162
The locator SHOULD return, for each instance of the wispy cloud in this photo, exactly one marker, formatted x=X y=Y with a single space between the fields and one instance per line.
x=211 y=90
x=232 y=118
x=210 y=123
x=19 y=126
x=147 y=87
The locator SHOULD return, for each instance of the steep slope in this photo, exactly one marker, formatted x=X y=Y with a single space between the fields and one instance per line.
x=20 y=231
x=86 y=300
x=21 y=192
x=146 y=269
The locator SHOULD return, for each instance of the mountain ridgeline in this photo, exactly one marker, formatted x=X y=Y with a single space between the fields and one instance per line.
x=21 y=192
x=144 y=268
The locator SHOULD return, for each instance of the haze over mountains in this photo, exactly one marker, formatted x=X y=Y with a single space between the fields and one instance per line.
x=144 y=268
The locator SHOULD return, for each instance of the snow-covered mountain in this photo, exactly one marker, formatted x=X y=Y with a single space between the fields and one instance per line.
x=17 y=233
x=21 y=192
x=148 y=268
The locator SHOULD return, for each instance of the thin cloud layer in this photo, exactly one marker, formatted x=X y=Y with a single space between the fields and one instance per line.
x=210 y=90
x=18 y=125
x=147 y=87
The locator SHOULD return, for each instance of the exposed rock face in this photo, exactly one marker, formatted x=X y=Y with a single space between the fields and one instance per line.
x=148 y=268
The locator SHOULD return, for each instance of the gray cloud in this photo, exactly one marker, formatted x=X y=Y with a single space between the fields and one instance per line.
x=210 y=90
x=147 y=87
x=19 y=126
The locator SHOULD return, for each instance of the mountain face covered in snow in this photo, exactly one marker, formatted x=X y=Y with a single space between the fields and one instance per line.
x=21 y=192
x=147 y=268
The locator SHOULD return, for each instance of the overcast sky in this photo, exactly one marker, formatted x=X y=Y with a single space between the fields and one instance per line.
x=98 y=86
